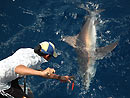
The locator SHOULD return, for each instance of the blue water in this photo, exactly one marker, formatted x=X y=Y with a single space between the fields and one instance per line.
x=25 y=23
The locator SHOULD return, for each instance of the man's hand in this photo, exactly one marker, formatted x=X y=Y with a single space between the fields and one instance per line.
x=49 y=71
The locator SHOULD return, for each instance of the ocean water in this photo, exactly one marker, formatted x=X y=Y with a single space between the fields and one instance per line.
x=26 y=23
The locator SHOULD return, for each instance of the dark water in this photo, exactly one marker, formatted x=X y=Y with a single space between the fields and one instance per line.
x=25 y=23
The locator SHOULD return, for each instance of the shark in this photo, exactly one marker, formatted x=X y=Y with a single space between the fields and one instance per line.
x=85 y=44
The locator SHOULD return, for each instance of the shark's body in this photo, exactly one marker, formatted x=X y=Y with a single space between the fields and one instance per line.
x=85 y=45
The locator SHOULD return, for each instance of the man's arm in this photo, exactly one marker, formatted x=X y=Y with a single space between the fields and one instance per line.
x=47 y=73
x=23 y=70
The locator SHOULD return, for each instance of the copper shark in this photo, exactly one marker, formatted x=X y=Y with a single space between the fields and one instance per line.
x=85 y=46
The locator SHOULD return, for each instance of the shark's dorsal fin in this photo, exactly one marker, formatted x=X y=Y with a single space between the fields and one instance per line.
x=103 y=51
x=71 y=40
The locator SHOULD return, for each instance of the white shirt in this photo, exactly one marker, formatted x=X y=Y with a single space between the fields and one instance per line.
x=24 y=56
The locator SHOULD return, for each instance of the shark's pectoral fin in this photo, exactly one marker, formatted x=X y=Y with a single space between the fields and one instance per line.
x=71 y=40
x=103 y=51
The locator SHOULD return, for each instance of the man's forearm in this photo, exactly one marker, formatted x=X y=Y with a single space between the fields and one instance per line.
x=23 y=70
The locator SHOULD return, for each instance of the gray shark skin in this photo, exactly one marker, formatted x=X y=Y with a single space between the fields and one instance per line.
x=85 y=46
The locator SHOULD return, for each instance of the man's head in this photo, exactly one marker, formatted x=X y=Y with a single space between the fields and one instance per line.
x=46 y=50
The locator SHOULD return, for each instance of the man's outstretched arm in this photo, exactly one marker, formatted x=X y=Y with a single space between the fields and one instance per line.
x=23 y=70
x=47 y=73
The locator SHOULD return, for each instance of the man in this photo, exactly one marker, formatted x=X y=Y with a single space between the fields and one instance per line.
x=25 y=61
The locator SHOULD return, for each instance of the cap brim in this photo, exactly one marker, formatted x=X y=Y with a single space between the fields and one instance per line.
x=55 y=54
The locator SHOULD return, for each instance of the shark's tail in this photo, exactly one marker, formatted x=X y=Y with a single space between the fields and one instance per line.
x=88 y=76
x=92 y=12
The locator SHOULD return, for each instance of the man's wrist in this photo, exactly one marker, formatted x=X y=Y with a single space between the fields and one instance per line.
x=43 y=73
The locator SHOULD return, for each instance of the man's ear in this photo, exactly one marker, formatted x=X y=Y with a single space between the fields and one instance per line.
x=47 y=55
